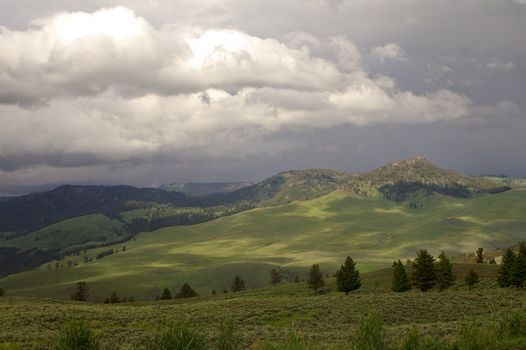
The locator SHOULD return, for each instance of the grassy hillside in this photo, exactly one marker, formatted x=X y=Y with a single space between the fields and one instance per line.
x=374 y=231
x=264 y=316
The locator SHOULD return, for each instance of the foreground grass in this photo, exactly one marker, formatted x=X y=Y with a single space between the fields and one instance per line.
x=266 y=318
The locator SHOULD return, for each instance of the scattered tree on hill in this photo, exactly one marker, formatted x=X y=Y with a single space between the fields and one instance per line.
x=315 y=280
x=444 y=272
x=518 y=270
x=238 y=285
x=471 y=278
x=81 y=292
x=214 y=292
x=114 y=298
x=131 y=299
x=400 y=281
x=166 y=295
x=2 y=292
x=124 y=248
x=480 y=256
x=492 y=261
x=348 y=277
x=275 y=276
x=424 y=275
x=505 y=269
x=186 y=292
x=296 y=279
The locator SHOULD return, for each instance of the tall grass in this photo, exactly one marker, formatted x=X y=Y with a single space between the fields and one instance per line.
x=370 y=333
x=176 y=337
x=77 y=336
x=228 y=340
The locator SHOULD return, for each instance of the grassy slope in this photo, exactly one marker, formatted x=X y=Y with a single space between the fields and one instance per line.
x=293 y=236
x=85 y=229
x=267 y=314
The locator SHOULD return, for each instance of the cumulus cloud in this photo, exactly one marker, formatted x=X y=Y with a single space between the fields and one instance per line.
x=80 y=89
x=392 y=51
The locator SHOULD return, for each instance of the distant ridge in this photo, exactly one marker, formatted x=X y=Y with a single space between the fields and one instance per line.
x=205 y=188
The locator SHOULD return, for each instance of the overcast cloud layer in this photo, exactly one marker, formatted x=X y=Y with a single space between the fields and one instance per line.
x=149 y=92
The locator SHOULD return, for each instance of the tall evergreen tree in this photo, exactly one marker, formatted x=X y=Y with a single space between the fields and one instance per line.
x=444 y=272
x=2 y=292
x=471 y=278
x=518 y=270
x=81 y=292
x=114 y=298
x=167 y=295
x=315 y=280
x=480 y=256
x=238 y=285
x=186 y=292
x=348 y=277
x=275 y=276
x=424 y=274
x=505 y=269
x=400 y=281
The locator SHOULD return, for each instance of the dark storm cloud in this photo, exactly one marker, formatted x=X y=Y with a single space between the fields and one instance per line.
x=240 y=89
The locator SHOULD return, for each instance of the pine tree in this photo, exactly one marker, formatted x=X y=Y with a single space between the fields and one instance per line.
x=505 y=269
x=444 y=272
x=186 y=292
x=347 y=277
x=114 y=298
x=275 y=276
x=315 y=280
x=400 y=280
x=2 y=292
x=424 y=275
x=518 y=270
x=471 y=278
x=166 y=294
x=238 y=285
x=81 y=292
x=480 y=255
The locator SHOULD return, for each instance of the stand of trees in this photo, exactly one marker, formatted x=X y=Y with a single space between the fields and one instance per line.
x=471 y=278
x=186 y=292
x=238 y=285
x=81 y=292
x=275 y=276
x=512 y=271
x=400 y=282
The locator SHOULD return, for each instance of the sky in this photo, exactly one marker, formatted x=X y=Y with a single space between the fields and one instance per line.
x=148 y=92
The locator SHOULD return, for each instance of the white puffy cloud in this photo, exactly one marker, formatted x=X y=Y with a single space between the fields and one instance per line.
x=108 y=86
x=391 y=51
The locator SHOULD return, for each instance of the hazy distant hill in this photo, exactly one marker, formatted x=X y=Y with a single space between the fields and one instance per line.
x=205 y=188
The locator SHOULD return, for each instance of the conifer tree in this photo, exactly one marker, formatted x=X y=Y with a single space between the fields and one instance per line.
x=238 y=285
x=400 y=281
x=81 y=292
x=480 y=255
x=2 y=292
x=471 y=278
x=424 y=275
x=348 y=277
x=186 y=292
x=444 y=272
x=505 y=269
x=275 y=276
x=518 y=270
x=166 y=294
x=114 y=298
x=315 y=280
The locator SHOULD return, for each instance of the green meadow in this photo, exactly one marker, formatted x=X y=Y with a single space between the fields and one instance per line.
x=373 y=231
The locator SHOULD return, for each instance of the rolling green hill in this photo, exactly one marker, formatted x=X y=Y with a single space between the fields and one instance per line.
x=375 y=231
